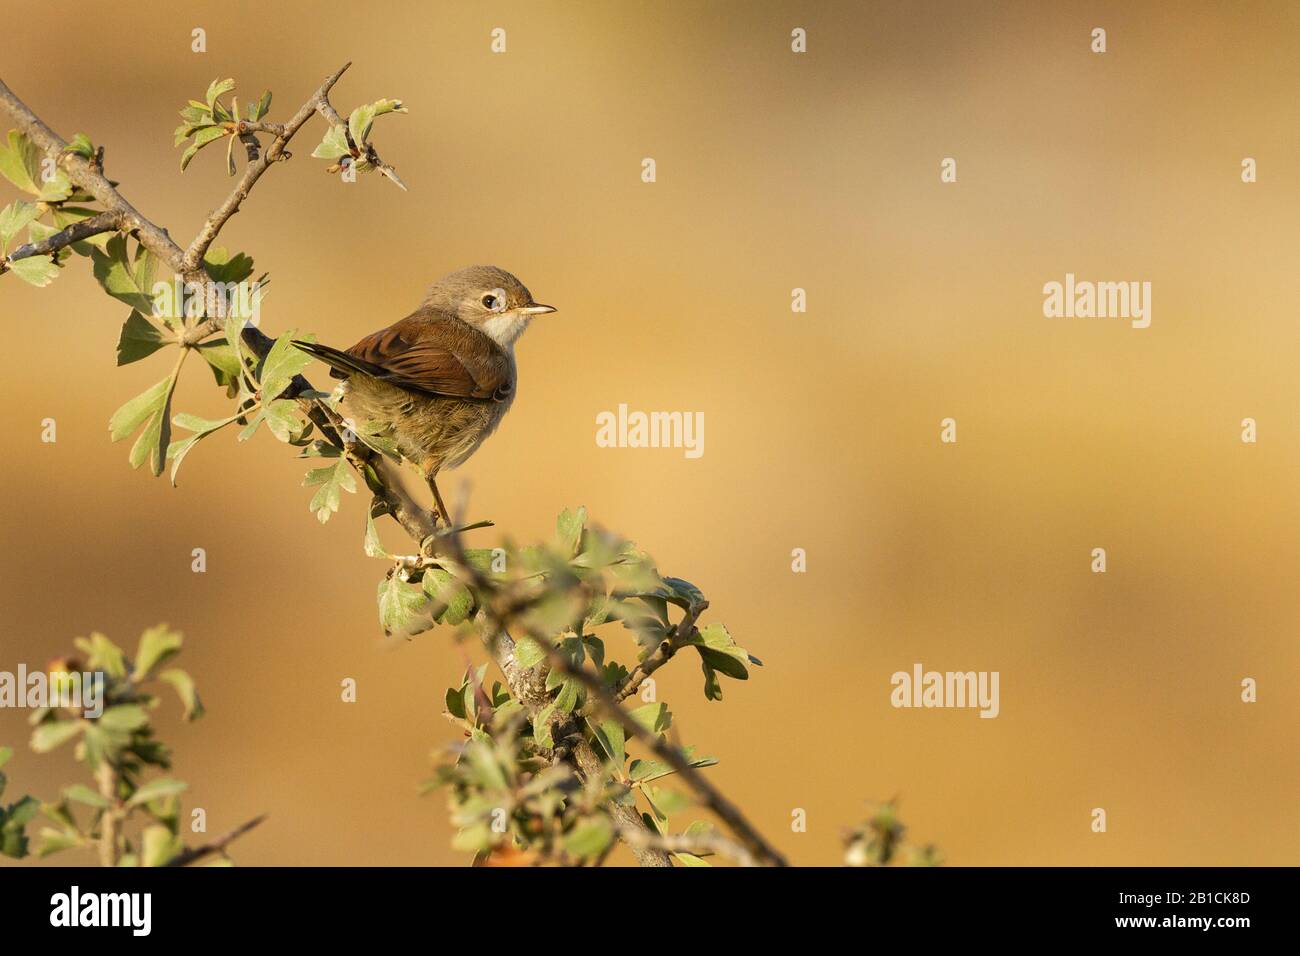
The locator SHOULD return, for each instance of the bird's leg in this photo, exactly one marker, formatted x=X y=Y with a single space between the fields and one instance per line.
x=430 y=472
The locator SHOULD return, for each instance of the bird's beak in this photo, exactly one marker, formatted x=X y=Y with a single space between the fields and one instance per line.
x=536 y=309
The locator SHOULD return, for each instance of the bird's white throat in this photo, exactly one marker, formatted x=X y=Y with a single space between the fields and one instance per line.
x=505 y=328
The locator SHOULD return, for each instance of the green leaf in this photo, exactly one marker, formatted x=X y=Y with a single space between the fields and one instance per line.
x=81 y=793
x=51 y=734
x=373 y=546
x=282 y=419
x=5 y=754
x=610 y=735
x=57 y=188
x=221 y=359
x=218 y=88
x=184 y=687
x=157 y=789
x=130 y=416
x=542 y=729
x=178 y=449
x=81 y=145
x=259 y=109
x=36 y=270
x=449 y=594
x=655 y=718
x=157 y=644
x=124 y=279
x=665 y=802
x=528 y=653
x=124 y=718
x=590 y=837
x=641 y=771
x=283 y=362
x=202 y=138
x=389 y=106
x=52 y=841
x=14 y=218
x=359 y=123
x=333 y=479
x=20 y=162
x=102 y=655
x=154 y=441
x=456 y=702
x=13 y=839
x=401 y=607
x=334 y=145
x=221 y=266
x=158 y=845
x=139 y=338
x=567 y=699
x=720 y=654
x=568 y=531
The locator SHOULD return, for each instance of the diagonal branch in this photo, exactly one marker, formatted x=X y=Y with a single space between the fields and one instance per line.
x=274 y=153
x=85 y=173
x=194 y=854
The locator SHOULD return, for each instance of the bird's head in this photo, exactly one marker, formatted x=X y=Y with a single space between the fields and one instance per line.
x=489 y=299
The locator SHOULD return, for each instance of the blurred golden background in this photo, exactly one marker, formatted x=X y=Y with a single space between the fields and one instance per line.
x=775 y=171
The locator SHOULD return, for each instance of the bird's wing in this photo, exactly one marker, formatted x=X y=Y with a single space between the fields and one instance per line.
x=459 y=362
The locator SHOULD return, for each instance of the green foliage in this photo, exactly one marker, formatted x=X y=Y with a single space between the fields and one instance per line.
x=151 y=408
x=117 y=743
x=332 y=480
x=127 y=278
x=203 y=123
x=512 y=808
x=572 y=598
x=14 y=817
x=351 y=142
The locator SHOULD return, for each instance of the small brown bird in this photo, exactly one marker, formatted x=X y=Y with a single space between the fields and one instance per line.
x=442 y=378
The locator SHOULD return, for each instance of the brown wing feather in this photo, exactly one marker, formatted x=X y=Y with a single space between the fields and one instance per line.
x=439 y=355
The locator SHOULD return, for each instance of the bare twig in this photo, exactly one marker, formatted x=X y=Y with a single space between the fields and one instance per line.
x=194 y=854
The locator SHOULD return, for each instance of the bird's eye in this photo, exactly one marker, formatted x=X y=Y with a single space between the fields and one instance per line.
x=489 y=301
x=494 y=301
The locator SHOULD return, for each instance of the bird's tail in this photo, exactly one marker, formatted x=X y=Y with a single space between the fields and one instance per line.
x=341 y=363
